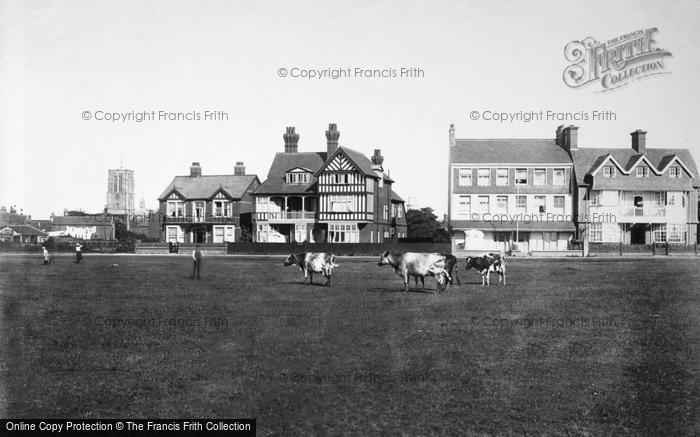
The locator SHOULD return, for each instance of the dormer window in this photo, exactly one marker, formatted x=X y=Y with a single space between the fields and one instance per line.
x=609 y=171
x=642 y=172
x=674 y=172
x=297 y=177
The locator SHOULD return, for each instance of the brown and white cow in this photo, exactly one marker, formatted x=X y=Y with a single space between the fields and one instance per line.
x=310 y=263
x=417 y=265
x=487 y=263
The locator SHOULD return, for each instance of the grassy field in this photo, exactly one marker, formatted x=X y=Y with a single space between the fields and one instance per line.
x=584 y=347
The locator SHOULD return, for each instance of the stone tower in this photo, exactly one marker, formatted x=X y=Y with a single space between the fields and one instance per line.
x=120 y=192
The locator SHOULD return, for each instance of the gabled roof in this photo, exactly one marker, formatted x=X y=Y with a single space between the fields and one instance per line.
x=26 y=230
x=284 y=162
x=204 y=187
x=508 y=150
x=396 y=198
x=361 y=162
x=590 y=160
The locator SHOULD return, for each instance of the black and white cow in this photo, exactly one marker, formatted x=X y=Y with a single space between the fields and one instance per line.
x=310 y=263
x=487 y=263
x=450 y=268
x=417 y=265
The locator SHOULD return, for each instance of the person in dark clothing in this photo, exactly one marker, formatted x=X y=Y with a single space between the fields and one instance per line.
x=197 y=258
x=78 y=253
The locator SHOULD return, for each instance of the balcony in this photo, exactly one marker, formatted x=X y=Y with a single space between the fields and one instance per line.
x=634 y=214
x=169 y=219
x=285 y=215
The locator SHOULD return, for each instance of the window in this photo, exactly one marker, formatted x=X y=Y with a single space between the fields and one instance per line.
x=595 y=232
x=399 y=210
x=676 y=232
x=520 y=176
x=484 y=204
x=502 y=204
x=540 y=204
x=484 y=177
x=340 y=203
x=521 y=203
x=370 y=203
x=465 y=205
x=340 y=178
x=343 y=233
x=540 y=176
x=465 y=177
x=659 y=198
x=559 y=176
x=674 y=172
x=642 y=172
x=223 y=208
x=559 y=203
x=659 y=232
x=603 y=232
x=172 y=234
x=502 y=177
x=594 y=198
x=224 y=234
x=609 y=171
x=175 y=208
x=370 y=185
x=199 y=208
x=297 y=178
x=386 y=212
x=675 y=198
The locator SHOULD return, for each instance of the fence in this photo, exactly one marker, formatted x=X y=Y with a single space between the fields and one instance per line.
x=369 y=249
x=637 y=249
x=88 y=246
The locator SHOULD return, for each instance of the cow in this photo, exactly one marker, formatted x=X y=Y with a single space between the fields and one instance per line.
x=310 y=263
x=487 y=263
x=417 y=265
x=450 y=267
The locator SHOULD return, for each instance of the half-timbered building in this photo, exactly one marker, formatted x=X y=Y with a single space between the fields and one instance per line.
x=338 y=195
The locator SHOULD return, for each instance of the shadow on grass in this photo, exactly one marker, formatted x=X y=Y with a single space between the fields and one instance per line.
x=401 y=290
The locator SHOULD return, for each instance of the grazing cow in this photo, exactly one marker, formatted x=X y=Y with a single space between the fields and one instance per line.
x=487 y=263
x=417 y=265
x=450 y=267
x=311 y=263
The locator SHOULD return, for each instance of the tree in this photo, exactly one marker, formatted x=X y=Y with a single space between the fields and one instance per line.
x=423 y=224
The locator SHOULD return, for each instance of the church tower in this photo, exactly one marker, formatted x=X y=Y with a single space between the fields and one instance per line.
x=120 y=192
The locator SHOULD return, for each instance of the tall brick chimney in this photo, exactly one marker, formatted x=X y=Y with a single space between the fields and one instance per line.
x=239 y=169
x=195 y=170
x=291 y=141
x=332 y=135
x=377 y=159
x=639 y=141
x=570 y=138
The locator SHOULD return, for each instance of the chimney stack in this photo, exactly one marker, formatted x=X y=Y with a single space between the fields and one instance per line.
x=332 y=135
x=452 y=135
x=560 y=136
x=377 y=159
x=239 y=169
x=195 y=170
x=639 y=141
x=569 y=138
x=291 y=141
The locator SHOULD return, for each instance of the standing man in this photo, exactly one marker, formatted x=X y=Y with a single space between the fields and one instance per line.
x=78 y=252
x=197 y=257
x=45 y=254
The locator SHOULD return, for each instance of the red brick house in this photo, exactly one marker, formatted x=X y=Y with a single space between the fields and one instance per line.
x=207 y=208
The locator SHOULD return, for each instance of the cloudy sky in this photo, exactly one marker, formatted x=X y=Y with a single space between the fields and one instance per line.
x=60 y=59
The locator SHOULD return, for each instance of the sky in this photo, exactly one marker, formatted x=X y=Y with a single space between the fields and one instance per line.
x=60 y=59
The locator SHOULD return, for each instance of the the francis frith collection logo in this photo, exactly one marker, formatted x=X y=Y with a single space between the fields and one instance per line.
x=614 y=63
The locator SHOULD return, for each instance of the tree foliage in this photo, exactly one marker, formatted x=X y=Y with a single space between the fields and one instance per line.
x=423 y=224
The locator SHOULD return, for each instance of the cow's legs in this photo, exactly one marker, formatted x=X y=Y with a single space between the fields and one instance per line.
x=422 y=283
x=405 y=281
x=306 y=275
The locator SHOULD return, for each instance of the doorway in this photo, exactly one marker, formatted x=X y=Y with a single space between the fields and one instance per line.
x=638 y=233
